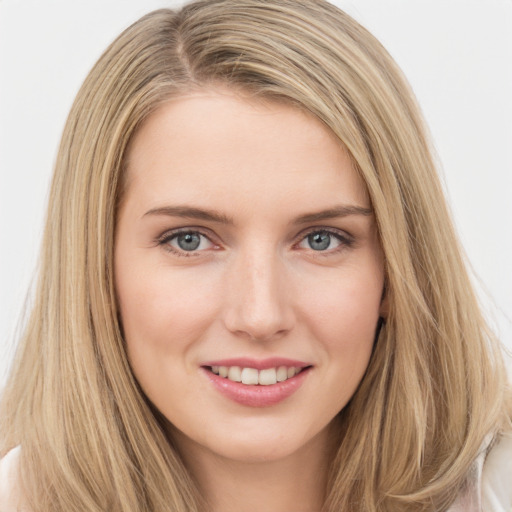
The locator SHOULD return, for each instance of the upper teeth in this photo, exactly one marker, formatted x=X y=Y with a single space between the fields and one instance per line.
x=251 y=376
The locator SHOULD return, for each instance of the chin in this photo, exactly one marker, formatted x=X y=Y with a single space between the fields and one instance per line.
x=257 y=450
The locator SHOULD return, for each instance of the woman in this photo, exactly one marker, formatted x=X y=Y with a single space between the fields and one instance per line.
x=251 y=294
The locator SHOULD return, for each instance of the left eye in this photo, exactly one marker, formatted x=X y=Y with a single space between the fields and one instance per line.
x=320 y=241
x=189 y=241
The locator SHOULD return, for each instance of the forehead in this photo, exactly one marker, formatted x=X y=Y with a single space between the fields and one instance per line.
x=217 y=144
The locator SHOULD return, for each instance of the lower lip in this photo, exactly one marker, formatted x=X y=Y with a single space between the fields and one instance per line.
x=257 y=395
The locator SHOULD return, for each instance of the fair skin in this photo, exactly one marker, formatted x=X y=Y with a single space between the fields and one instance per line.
x=246 y=238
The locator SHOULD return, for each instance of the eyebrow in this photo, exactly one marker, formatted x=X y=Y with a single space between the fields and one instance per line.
x=333 y=213
x=189 y=212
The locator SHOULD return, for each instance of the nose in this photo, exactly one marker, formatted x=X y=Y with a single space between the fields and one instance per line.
x=257 y=302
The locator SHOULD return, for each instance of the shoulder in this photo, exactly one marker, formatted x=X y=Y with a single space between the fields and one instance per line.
x=497 y=476
x=488 y=486
x=10 y=497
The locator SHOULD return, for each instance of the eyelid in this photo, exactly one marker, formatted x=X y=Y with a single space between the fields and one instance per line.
x=341 y=233
x=164 y=238
x=169 y=233
x=346 y=239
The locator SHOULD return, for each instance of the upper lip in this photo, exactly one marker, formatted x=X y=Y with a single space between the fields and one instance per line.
x=258 y=364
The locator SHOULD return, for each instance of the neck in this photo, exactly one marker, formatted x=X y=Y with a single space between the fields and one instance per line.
x=296 y=482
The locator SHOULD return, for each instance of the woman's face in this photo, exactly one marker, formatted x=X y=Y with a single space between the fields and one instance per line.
x=245 y=246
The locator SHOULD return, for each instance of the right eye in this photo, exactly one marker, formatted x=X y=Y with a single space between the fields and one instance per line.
x=186 y=243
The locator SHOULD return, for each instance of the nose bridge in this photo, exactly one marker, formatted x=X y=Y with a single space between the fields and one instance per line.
x=257 y=303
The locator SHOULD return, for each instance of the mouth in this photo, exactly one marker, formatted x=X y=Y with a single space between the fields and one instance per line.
x=254 y=377
x=257 y=383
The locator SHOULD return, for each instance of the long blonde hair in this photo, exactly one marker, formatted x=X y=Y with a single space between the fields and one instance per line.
x=435 y=385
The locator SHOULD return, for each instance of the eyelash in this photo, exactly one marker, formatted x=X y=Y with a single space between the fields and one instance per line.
x=346 y=241
x=164 y=240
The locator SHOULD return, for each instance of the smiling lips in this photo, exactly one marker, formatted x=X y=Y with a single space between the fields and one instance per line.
x=253 y=377
x=257 y=383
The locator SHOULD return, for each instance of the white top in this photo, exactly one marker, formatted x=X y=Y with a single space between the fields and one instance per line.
x=10 y=500
x=489 y=488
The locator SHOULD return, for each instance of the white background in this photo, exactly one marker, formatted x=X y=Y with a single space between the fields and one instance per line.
x=457 y=55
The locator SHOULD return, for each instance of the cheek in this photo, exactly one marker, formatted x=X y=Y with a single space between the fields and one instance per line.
x=352 y=303
x=344 y=320
x=344 y=316
x=163 y=320
x=161 y=310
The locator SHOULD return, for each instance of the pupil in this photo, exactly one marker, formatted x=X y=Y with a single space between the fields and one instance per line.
x=319 y=241
x=189 y=241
